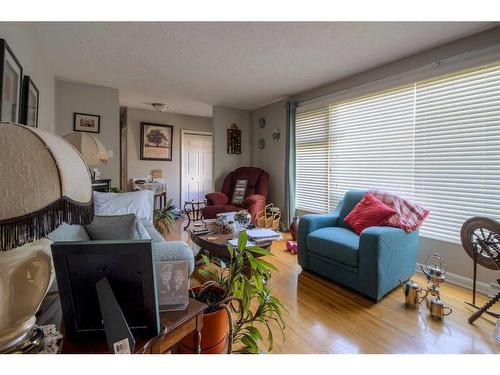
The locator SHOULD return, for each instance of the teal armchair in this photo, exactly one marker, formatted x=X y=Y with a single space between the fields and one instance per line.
x=371 y=263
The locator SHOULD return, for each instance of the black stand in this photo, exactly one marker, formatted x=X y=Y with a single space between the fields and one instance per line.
x=118 y=333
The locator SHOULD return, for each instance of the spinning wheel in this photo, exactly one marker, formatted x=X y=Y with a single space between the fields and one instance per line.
x=481 y=240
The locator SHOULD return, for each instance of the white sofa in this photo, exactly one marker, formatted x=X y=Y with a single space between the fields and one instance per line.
x=139 y=203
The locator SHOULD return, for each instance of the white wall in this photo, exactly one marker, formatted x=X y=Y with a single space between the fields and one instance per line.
x=23 y=41
x=97 y=100
x=222 y=118
x=272 y=157
x=171 y=169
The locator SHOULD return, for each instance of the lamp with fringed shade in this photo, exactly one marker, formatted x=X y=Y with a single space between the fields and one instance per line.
x=44 y=182
x=92 y=150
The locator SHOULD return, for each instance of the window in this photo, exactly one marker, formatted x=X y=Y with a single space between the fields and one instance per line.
x=312 y=160
x=437 y=142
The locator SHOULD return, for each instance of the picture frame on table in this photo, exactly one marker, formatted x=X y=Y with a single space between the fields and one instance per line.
x=85 y=122
x=173 y=285
x=156 y=141
x=30 y=103
x=11 y=75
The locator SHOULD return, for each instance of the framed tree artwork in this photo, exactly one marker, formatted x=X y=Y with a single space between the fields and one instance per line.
x=156 y=141
x=29 y=103
x=11 y=75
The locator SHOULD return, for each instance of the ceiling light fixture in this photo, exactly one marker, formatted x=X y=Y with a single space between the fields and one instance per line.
x=160 y=107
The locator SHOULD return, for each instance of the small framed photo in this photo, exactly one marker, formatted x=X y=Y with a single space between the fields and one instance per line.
x=172 y=282
x=84 y=122
x=156 y=141
x=30 y=103
x=11 y=75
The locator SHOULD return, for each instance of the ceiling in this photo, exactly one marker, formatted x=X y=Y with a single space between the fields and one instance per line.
x=195 y=65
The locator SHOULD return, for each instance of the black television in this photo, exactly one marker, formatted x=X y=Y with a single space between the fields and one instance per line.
x=129 y=268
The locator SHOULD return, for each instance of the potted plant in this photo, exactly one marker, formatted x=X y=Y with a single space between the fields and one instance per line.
x=240 y=303
x=165 y=217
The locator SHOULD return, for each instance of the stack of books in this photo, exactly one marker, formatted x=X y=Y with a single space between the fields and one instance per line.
x=260 y=236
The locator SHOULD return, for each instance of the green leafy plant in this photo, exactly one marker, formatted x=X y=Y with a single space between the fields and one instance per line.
x=242 y=288
x=164 y=218
x=115 y=189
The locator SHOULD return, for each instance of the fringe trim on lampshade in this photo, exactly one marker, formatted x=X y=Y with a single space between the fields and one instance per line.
x=22 y=230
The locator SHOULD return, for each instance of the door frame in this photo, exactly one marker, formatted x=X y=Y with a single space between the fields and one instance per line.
x=185 y=132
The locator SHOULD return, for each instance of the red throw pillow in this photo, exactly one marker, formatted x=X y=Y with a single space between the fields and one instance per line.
x=369 y=212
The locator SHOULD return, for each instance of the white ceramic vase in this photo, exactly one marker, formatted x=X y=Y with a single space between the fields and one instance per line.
x=25 y=276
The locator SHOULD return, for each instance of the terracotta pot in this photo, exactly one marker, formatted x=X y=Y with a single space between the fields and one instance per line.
x=294 y=227
x=214 y=334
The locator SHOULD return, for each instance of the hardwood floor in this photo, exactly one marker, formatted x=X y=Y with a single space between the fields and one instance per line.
x=325 y=317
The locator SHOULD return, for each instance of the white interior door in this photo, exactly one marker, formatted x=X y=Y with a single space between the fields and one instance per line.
x=196 y=167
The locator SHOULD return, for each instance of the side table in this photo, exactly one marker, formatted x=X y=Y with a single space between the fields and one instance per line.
x=175 y=325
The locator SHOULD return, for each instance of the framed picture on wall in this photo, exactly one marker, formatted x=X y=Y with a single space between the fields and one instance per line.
x=29 y=103
x=156 y=141
x=11 y=74
x=84 y=122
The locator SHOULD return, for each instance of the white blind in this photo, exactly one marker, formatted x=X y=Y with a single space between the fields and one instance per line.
x=312 y=160
x=371 y=142
x=457 y=150
x=437 y=142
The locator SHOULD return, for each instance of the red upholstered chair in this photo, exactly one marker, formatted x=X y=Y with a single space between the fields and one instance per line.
x=255 y=197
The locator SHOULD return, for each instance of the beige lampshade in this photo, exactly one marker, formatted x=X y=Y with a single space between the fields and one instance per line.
x=45 y=182
x=92 y=150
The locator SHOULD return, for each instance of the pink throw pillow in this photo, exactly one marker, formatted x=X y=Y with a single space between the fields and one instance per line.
x=369 y=212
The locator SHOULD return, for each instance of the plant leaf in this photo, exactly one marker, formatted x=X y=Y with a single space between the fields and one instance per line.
x=259 y=250
x=242 y=241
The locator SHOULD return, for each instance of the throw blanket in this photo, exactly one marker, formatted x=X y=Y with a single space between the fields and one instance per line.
x=409 y=216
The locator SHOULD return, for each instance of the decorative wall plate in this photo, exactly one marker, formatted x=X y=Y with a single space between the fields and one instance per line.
x=262 y=144
x=262 y=122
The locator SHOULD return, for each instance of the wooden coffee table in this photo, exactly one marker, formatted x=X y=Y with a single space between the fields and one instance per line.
x=217 y=247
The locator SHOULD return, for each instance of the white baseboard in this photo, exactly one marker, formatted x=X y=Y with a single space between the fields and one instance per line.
x=466 y=282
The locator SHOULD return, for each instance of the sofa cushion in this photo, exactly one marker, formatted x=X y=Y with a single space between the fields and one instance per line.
x=369 y=212
x=117 y=227
x=335 y=243
x=139 y=203
x=351 y=199
x=66 y=232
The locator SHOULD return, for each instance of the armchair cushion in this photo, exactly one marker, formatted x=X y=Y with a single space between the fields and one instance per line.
x=335 y=243
x=216 y=198
x=368 y=212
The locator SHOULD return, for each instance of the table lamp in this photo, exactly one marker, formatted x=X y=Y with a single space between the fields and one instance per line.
x=92 y=150
x=44 y=182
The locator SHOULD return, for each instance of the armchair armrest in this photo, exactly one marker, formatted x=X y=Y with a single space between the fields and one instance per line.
x=386 y=255
x=309 y=223
x=216 y=198
x=253 y=199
